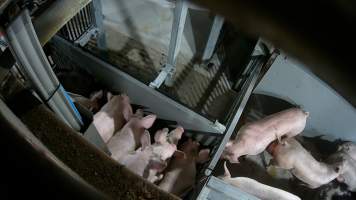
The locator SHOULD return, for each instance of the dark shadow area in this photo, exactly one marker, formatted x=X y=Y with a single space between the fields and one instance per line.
x=198 y=27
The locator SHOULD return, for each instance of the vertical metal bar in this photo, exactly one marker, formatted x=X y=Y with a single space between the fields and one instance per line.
x=82 y=19
x=86 y=16
x=180 y=14
x=238 y=108
x=72 y=30
x=70 y=34
x=27 y=50
x=213 y=37
x=91 y=13
x=168 y=70
x=79 y=24
x=101 y=40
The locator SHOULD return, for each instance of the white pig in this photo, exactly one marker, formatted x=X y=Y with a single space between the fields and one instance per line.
x=349 y=148
x=348 y=173
x=92 y=103
x=292 y=156
x=257 y=189
x=112 y=116
x=253 y=138
x=149 y=160
x=181 y=172
x=128 y=138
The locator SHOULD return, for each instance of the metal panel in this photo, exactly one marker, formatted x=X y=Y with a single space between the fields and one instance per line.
x=239 y=106
x=85 y=25
x=180 y=14
x=55 y=17
x=138 y=92
x=28 y=52
x=218 y=189
x=101 y=40
x=213 y=37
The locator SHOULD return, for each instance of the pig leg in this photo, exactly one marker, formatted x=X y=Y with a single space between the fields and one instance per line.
x=153 y=177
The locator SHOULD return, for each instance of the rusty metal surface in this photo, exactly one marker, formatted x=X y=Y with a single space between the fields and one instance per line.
x=318 y=33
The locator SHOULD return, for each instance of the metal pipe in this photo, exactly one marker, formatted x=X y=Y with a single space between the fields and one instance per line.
x=28 y=53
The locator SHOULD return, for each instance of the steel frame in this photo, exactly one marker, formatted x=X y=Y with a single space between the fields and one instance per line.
x=27 y=50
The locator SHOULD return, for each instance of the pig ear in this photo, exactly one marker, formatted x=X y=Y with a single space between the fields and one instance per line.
x=145 y=139
x=176 y=135
x=203 y=155
x=179 y=154
x=226 y=171
x=161 y=136
x=147 y=121
x=139 y=113
x=229 y=143
x=97 y=95
x=127 y=112
x=109 y=96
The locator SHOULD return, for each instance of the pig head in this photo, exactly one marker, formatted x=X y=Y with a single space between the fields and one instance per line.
x=181 y=172
x=113 y=115
x=349 y=148
x=150 y=159
x=348 y=173
x=128 y=138
x=92 y=103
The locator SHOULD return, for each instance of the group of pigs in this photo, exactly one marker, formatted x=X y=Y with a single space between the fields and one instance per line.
x=127 y=137
x=174 y=170
x=275 y=134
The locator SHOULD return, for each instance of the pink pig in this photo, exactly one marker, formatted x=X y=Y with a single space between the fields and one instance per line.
x=291 y=155
x=127 y=140
x=92 y=103
x=256 y=188
x=149 y=160
x=253 y=138
x=181 y=172
x=112 y=116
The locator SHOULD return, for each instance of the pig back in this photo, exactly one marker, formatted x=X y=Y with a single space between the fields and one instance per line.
x=260 y=190
x=291 y=122
x=303 y=165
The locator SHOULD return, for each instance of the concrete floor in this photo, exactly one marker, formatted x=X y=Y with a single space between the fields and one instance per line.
x=150 y=24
